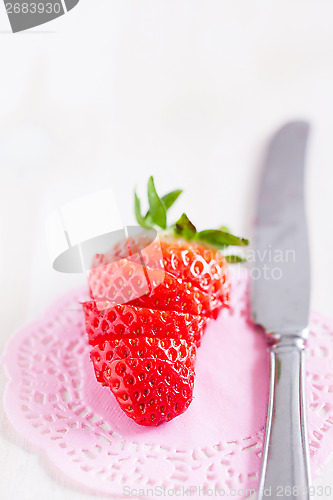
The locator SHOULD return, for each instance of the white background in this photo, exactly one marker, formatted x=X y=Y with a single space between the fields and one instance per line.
x=115 y=91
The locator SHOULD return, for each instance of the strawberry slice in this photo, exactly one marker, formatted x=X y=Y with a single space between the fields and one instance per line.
x=150 y=391
x=177 y=295
x=125 y=281
x=205 y=268
x=119 y=321
x=177 y=351
x=120 y=281
x=202 y=266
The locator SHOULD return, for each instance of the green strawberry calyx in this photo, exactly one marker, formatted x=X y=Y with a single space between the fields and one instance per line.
x=156 y=218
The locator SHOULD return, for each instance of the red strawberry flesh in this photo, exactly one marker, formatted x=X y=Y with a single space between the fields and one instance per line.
x=150 y=391
x=119 y=321
x=194 y=279
x=151 y=304
x=177 y=351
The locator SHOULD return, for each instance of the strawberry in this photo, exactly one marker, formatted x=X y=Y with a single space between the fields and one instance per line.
x=202 y=267
x=120 y=321
x=152 y=288
x=119 y=281
x=152 y=298
x=180 y=352
x=150 y=391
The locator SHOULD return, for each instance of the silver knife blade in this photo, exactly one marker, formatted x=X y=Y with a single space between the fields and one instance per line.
x=281 y=277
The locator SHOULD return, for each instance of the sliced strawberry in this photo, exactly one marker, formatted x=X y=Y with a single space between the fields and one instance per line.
x=152 y=299
x=150 y=391
x=127 y=282
x=118 y=321
x=120 y=281
x=205 y=268
x=177 y=351
x=195 y=265
x=176 y=295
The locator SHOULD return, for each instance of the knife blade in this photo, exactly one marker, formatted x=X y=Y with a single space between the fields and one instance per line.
x=280 y=299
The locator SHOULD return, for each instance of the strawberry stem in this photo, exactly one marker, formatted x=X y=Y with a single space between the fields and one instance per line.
x=156 y=217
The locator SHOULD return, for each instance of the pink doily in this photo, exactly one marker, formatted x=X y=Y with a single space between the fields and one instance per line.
x=54 y=400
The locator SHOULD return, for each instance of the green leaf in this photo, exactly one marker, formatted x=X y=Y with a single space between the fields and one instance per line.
x=220 y=239
x=234 y=259
x=137 y=207
x=157 y=209
x=170 y=198
x=157 y=216
x=185 y=228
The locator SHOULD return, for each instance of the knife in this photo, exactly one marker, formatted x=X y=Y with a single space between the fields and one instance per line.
x=280 y=298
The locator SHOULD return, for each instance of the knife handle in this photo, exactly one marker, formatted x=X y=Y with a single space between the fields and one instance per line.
x=285 y=465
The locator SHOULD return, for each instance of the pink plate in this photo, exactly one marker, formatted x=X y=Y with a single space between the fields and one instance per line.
x=53 y=399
